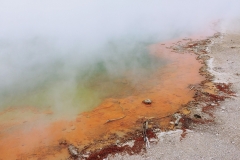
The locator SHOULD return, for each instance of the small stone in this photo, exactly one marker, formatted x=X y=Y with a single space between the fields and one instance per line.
x=153 y=140
x=156 y=130
x=147 y=101
x=85 y=155
x=197 y=116
x=178 y=117
x=117 y=142
x=73 y=150
x=179 y=125
x=186 y=111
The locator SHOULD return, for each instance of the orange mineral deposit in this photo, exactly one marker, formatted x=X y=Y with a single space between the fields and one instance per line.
x=27 y=133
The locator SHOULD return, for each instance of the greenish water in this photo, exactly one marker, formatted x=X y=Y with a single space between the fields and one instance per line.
x=66 y=86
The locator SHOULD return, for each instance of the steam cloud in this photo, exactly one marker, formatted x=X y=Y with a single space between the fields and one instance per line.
x=51 y=51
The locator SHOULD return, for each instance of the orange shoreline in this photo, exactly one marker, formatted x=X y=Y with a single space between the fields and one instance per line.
x=35 y=139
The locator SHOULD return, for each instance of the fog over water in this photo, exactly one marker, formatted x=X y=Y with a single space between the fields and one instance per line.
x=57 y=53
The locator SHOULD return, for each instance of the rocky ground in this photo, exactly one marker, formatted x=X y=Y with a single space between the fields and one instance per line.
x=215 y=140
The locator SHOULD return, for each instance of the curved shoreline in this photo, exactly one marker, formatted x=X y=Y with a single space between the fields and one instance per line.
x=219 y=137
x=206 y=92
x=207 y=96
x=185 y=120
x=172 y=91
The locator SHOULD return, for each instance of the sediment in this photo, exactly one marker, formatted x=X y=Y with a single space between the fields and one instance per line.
x=199 y=111
x=119 y=130
x=210 y=128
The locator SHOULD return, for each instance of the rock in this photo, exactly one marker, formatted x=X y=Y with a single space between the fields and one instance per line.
x=73 y=150
x=186 y=111
x=223 y=108
x=147 y=101
x=117 y=142
x=178 y=117
x=197 y=116
x=172 y=122
x=156 y=130
x=153 y=140
x=179 y=125
x=85 y=155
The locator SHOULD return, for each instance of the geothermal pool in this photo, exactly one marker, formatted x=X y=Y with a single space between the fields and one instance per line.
x=78 y=71
x=77 y=107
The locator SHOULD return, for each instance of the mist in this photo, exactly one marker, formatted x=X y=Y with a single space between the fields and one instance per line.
x=73 y=54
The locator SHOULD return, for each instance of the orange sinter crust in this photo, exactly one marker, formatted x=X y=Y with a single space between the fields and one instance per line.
x=27 y=133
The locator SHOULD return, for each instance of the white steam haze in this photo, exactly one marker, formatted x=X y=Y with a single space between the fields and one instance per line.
x=71 y=53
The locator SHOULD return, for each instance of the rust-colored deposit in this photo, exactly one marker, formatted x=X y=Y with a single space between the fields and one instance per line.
x=37 y=136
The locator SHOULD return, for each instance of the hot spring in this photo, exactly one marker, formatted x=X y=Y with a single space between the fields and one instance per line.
x=66 y=69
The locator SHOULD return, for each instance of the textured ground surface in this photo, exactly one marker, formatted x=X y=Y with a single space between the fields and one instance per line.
x=219 y=140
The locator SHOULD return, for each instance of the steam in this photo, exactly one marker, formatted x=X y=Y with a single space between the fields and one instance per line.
x=58 y=53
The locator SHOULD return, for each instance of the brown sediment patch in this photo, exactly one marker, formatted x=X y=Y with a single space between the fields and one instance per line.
x=225 y=88
x=208 y=95
x=115 y=119
x=138 y=147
